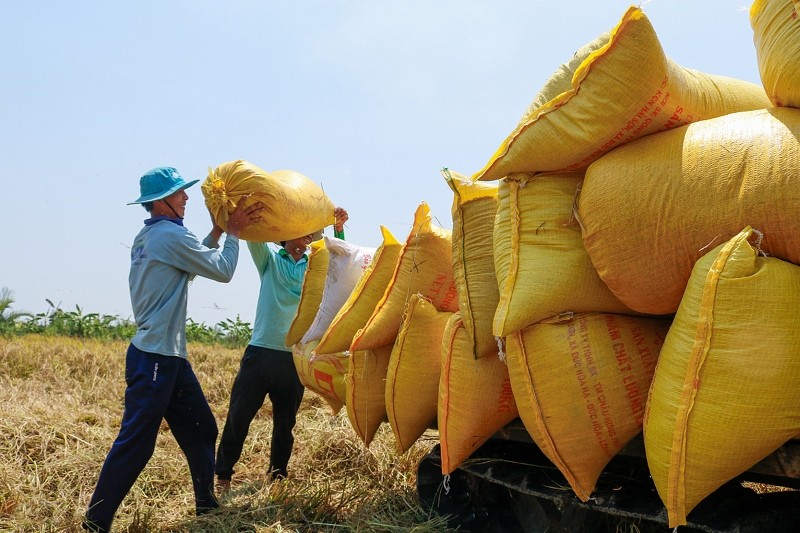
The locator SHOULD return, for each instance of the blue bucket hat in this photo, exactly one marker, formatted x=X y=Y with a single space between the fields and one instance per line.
x=159 y=183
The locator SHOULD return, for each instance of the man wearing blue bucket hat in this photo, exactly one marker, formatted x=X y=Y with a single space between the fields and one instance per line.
x=161 y=384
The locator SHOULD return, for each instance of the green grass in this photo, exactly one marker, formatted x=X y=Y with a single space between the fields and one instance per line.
x=60 y=408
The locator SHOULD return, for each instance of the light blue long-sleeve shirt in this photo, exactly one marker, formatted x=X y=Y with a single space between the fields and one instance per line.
x=165 y=256
x=279 y=295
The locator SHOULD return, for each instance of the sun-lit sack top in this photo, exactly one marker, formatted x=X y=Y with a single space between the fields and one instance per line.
x=617 y=88
x=776 y=35
x=294 y=204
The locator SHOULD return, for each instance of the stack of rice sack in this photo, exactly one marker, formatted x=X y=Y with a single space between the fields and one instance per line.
x=351 y=278
x=580 y=362
x=650 y=210
x=403 y=333
x=474 y=396
x=405 y=324
x=362 y=348
x=724 y=394
x=574 y=211
x=365 y=379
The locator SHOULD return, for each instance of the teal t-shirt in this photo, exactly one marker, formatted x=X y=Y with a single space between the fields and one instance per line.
x=279 y=295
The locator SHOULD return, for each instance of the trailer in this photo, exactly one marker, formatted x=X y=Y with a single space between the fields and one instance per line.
x=509 y=485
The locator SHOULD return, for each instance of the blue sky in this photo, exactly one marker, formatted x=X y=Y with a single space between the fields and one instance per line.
x=368 y=98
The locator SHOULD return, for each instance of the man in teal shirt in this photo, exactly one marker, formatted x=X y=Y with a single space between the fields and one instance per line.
x=161 y=384
x=267 y=367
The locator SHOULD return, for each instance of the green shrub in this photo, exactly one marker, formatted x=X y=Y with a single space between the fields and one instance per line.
x=236 y=333
x=9 y=320
x=59 y=322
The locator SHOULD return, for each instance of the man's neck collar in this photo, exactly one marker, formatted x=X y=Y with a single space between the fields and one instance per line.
x=152 y=220
x=285 y=253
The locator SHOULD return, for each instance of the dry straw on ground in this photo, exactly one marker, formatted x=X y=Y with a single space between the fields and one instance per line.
x=60 y=408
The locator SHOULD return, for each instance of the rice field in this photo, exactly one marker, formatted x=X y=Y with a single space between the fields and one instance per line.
x=60 y=409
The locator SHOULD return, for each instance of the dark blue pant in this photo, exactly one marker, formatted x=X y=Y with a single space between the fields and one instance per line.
x=262 y=372
x=158 y=387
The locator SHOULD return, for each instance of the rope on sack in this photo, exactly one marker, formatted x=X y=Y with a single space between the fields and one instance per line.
x=573 y=215
x=217 y=195
x=757 y=244
x=710 y=244
x=500 y=353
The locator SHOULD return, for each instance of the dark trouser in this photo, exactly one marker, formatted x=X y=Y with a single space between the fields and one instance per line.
x=158 y=387
x=262 y=372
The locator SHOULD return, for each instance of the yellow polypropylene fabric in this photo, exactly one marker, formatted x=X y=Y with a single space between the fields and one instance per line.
x=294 y=205
x=363 y=299
x=425 y=266
x=310 y=293
x=475 y=398
x=581 y=384
x=624 y=87
x=776 y=35
x=541 y=264
x=650 y=209
x=323 y=374
x=412 y=379
x=725 y=390
x=365 y=391
x=474 y=209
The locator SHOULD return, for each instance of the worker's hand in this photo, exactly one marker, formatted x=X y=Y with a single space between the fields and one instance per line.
x=341 y=217
x=244 y=216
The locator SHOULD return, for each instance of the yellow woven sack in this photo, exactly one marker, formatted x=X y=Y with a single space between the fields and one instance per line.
x=724 y=394
x=425 y=266
x=412 y=379
x=323 y=374
x=581 y=386
x=365 y=391
x=474 y=209
x=310 y=292
x=475 y=398
x=542 y=266
x=368 y=291
x=623 y=88
x=650 y=209
x=776 y=34
x=294 y=205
